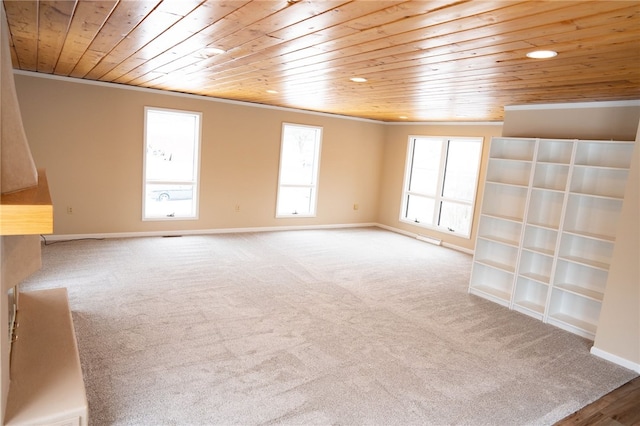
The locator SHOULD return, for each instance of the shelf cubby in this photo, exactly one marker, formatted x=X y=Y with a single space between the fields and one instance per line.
x=603 y=182
x=541 y=240
x=503 y=231
x=509 y=172
x=555 y=151
x=512 y=148
x=504 y=201
x=580 y=279
x=531 y=295
x=494 y=283
x=580 y=314
x=587 y=251
x=551 y=176
x=545 y=208
x=592 y=216
x=604 y=154
x=535 y=266
x=497 y=255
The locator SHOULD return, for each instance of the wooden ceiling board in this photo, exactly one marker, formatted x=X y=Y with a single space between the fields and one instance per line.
x=57 y=16
x=348 y=58
x=87 y=21
x=123 y=19
x=22 y=18
x=445 y=60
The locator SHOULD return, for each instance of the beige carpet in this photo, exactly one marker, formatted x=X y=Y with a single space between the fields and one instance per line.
x=341 y=327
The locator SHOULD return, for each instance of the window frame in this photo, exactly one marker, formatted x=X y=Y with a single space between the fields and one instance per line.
x=439 y=197
x=315 y=173
x=196 y=163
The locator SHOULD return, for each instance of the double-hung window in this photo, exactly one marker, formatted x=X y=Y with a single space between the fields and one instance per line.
x=171 y=164
x=299 y=165
x=441 y=178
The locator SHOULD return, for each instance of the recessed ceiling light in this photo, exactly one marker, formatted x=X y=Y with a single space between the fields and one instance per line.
x=541 y=54
x=358 y=79
x=212 y=51
x=273 y=92
x=403 y=117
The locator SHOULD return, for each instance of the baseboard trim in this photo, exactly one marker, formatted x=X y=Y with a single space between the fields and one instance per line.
x=177 y=233
x=420 y=236
x=616 y=359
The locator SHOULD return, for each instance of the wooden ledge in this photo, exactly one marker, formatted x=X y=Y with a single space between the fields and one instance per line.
x=29 y=211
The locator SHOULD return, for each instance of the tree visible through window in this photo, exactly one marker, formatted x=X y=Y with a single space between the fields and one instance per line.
x=299 y=161
x=440 y=183
x=171 y=163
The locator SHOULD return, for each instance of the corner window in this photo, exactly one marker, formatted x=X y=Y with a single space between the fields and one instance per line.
x=440 y=183
x=171 y=164
x=299 y=165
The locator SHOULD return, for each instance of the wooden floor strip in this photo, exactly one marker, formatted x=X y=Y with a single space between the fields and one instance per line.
x=619 y=407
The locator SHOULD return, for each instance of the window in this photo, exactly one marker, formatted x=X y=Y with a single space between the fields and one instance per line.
x=299 y=164
x=440 y=183
x=171 y=164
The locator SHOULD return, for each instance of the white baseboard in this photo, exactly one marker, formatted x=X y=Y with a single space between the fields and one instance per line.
x=616 y=359
x=177 y=233
x=420 y=237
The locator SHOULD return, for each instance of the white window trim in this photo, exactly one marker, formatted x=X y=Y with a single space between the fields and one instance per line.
x=196 y=183
x=316 y=174
x=438 y=197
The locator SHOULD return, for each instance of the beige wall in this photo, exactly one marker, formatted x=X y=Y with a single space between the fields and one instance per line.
x=89 y=138
x=393 y=168
x=619 y=325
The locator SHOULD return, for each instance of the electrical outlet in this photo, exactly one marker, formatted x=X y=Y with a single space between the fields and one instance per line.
x=237 y=208
x=69 y=210
x=356 y=206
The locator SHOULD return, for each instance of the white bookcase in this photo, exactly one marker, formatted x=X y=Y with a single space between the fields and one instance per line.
x=547 y=227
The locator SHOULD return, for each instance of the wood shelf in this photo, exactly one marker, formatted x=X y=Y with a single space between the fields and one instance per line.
x=29 y=211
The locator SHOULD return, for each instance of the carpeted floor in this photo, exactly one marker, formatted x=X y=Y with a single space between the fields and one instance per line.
x=350 y=326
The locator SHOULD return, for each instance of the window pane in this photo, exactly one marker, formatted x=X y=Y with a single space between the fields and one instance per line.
x=440 y=182
x=426 y=166
x=168 y=200
x=456 y=217
x=299 y=159
x=171 y=145
x=463 y=160
x=294 y=200
x=172 y=140
x=420 y=209
x=298 y=155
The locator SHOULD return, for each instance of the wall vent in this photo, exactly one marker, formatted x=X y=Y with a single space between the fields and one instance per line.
x=430 y=240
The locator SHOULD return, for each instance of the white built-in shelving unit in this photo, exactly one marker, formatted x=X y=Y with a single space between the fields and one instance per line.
x=547 y=227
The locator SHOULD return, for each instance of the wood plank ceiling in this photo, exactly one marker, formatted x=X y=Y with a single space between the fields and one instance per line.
x=438 y=60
